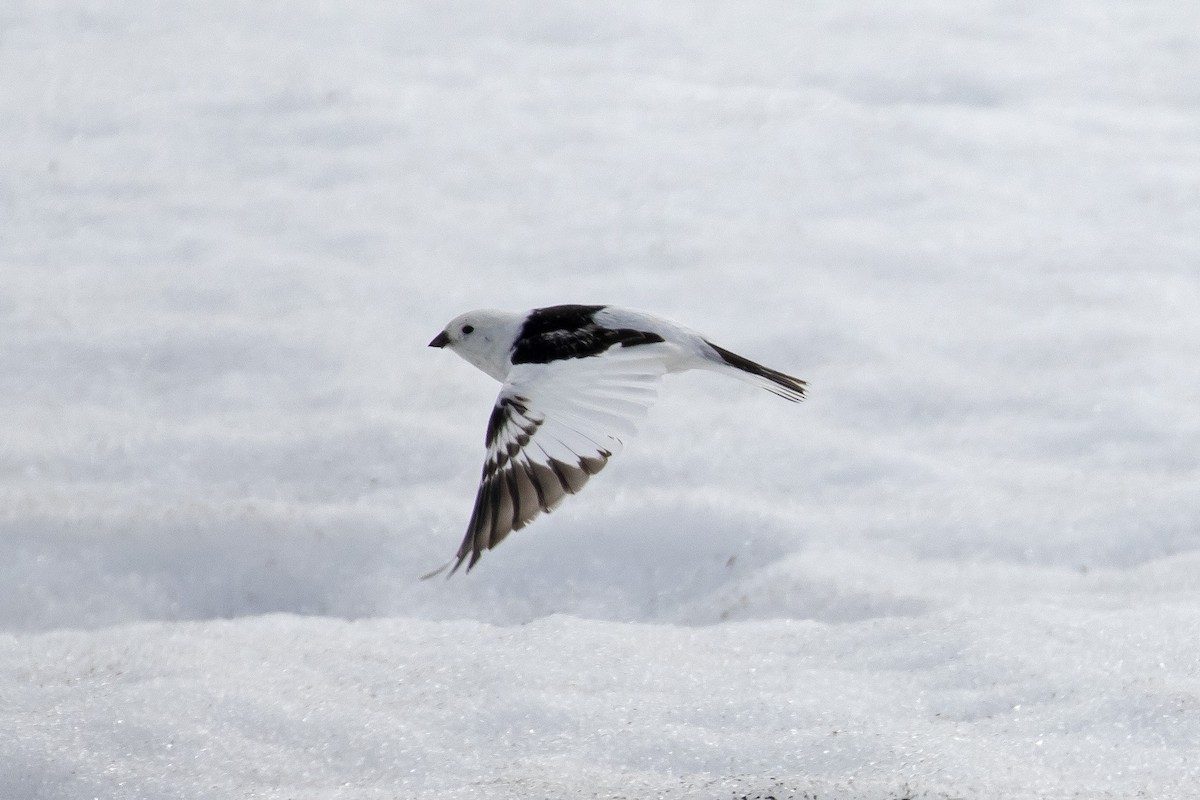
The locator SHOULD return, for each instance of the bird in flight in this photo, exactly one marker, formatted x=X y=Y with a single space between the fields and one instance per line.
x=575 y=381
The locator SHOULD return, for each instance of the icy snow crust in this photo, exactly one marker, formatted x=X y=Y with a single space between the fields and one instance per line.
x=968 y=566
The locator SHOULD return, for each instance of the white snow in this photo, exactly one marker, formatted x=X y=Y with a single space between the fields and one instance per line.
x=968 y=566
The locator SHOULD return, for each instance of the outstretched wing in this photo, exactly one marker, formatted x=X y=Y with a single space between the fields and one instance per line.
x=554 y=426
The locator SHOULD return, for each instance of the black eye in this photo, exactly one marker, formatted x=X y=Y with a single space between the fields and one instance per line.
x=468 y=329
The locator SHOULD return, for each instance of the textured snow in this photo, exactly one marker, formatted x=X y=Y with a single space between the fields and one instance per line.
x=968 y=566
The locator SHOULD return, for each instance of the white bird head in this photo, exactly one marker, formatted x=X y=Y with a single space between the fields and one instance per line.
x=483 y=339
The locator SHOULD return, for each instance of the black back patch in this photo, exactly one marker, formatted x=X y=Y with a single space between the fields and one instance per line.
x=560 y=332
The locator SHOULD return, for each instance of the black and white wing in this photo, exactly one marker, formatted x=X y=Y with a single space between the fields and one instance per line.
x=555 y=425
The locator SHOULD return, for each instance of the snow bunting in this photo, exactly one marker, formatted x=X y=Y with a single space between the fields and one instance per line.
x=576 y=379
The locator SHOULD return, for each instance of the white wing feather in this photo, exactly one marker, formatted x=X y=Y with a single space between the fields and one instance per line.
x=553 y=427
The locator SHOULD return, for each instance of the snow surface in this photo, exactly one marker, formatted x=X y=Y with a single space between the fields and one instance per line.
x=968 y=567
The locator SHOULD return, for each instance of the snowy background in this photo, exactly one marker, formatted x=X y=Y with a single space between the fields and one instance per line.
x=968 y=566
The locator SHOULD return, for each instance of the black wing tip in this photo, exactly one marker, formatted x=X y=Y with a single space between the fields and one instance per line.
x=434 y=573
x=468 y=554
x=483 y=533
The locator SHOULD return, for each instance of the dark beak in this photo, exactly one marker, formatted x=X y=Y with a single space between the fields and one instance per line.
x=441 y=340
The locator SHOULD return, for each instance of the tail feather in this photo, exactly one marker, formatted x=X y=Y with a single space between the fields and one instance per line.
x=773 y=381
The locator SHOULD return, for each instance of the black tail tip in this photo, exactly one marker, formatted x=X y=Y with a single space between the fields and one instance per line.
x=779 y=383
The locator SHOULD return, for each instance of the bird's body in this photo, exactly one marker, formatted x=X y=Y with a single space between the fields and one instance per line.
x=576 y=379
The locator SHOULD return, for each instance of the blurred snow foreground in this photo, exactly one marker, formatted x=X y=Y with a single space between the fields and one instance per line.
x=967 y=567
